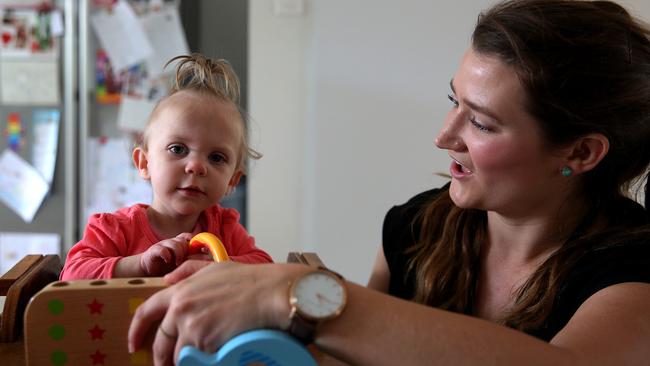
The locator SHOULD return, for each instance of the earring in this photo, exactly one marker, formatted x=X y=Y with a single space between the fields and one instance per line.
x=566 y=171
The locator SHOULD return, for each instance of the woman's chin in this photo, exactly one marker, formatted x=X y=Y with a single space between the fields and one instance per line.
x=460 y=197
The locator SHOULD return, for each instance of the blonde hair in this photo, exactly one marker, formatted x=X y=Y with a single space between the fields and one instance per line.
x=217 y=78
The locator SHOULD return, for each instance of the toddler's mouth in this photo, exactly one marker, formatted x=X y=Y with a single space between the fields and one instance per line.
x=191 y=189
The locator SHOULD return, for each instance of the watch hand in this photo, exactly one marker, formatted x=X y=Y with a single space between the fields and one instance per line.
x=322 y=298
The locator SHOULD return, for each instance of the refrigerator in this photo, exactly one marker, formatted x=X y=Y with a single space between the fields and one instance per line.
x=92 y=171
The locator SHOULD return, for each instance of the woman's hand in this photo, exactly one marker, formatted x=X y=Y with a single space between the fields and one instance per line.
x=215 y=303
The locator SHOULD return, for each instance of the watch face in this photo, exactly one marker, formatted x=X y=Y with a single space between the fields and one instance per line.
x=319 y=296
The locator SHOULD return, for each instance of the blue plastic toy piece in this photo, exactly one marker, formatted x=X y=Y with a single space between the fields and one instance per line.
x=255 y=347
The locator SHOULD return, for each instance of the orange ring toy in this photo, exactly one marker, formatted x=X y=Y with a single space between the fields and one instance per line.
x=210 y=241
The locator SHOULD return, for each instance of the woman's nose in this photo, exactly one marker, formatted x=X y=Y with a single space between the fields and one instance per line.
x=448 y=138
x=196 y=166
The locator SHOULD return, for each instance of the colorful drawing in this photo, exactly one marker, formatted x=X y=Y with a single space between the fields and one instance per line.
x=26 y=31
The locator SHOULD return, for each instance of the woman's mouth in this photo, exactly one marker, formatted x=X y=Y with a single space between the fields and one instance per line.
x=458 y=170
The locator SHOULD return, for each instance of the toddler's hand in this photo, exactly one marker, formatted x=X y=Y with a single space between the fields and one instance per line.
x=166 y=255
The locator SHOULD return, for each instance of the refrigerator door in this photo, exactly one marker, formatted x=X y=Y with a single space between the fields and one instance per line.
x=33 y=141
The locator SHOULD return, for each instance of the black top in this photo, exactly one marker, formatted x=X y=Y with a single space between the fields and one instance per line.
x=597 y=269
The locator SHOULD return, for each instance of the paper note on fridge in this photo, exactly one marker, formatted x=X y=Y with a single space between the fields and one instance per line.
x=167 y=37
x=45 y=132
x=29 y=80
x=121 y=34
x=22 y=187
x=134 y=113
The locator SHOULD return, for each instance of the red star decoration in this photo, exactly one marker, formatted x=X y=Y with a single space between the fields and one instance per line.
x=95 y=307
x=96 y=333
x=98 y=358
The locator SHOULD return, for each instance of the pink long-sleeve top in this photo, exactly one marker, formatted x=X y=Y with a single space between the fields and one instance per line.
x=111 y=236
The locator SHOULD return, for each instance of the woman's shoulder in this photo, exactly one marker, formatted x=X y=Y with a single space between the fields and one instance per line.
x=621 y=262
x=608 y=265
x=400 y=227
x=407 y=211
x=597 y=269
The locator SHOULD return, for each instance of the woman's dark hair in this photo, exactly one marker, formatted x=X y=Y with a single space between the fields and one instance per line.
x=585 y=67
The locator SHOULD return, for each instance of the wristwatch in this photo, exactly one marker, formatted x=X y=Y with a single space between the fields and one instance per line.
x=315 y=297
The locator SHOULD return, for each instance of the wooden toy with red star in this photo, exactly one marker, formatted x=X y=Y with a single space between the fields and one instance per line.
x=86 y=322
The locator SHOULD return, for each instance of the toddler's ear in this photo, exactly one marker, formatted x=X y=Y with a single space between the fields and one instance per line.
x=234 y=181
x=141 y=163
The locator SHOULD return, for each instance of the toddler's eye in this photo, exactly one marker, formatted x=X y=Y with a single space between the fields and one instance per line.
x=177 y=149
x=217 y=158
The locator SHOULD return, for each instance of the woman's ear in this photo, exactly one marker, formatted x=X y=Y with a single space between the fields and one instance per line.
x=586 y=152
x=141 y=163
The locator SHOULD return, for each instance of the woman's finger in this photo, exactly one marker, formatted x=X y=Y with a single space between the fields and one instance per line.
x=185 y=270
x=165 y=341
x=146 y=315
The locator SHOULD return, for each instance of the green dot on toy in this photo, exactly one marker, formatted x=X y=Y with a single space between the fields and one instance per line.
x=58 y=358
x=56 y=332
x=55 y=307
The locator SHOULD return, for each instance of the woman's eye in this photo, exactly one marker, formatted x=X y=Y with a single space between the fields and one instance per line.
x=177 y=149
x=217 y=158
x=478 y=125
x=453 y=100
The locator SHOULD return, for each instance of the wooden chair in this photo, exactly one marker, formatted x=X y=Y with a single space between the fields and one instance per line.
x=23 y=280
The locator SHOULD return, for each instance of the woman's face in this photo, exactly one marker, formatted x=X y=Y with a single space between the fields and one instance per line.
x=499 y=159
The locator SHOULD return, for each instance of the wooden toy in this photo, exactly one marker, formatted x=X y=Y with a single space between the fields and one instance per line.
x=86 y=322
x=210 y=241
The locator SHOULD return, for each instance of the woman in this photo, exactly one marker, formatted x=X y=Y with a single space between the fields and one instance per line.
x=532 y=254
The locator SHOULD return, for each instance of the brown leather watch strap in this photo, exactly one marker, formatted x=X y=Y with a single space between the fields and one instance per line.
x=302 y=329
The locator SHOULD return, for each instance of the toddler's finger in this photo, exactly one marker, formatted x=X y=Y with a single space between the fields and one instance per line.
x=184 y=236
x=166 y=254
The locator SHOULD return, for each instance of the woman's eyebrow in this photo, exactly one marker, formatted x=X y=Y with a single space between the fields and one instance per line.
x=479 y=108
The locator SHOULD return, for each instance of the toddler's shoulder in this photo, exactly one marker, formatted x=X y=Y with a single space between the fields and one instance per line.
x=222 y=215
x=126 y=215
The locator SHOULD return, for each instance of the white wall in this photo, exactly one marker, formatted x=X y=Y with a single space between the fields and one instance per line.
x=346 y=100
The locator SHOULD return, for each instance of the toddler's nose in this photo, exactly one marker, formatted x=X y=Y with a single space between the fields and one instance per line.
x=195 y=166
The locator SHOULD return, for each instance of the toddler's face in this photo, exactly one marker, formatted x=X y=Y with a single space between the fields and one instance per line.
x=193 y=147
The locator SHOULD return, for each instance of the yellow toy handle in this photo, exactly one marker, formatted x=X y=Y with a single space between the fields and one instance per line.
x=213 y=244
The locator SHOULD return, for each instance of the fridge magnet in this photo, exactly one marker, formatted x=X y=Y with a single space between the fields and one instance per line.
x=108 y=83
x=14 y=132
